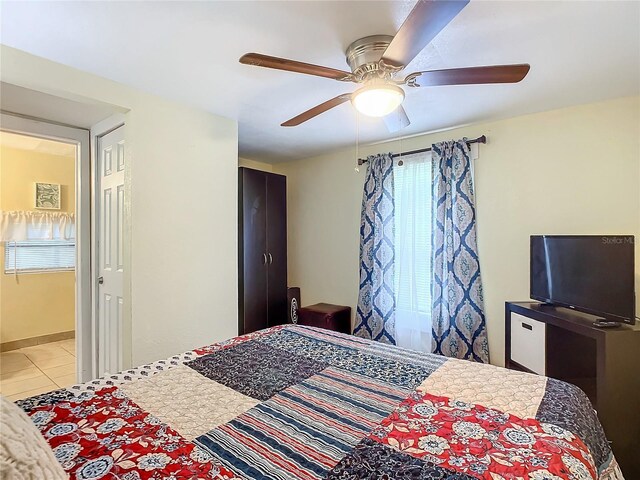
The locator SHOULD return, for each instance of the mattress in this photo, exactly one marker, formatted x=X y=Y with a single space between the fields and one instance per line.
x=294 y=402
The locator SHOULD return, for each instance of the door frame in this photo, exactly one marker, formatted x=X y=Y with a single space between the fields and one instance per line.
x=81 y=138
x=98 y=131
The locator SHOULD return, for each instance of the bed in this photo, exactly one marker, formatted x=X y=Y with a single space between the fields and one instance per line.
x=294 y=402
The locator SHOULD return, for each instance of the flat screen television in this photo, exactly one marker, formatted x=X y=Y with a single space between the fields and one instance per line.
x=591 y=274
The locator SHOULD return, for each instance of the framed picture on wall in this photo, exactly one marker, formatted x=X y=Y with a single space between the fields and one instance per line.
x=48 y=196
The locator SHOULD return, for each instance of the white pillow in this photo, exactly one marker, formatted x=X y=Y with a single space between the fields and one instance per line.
x=24 y=453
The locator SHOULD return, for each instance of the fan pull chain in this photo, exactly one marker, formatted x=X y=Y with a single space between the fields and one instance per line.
x=400 y=161
x=357 y=169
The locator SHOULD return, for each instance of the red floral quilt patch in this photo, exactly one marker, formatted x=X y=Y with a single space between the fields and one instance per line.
x=483 y=442
x=104 y=435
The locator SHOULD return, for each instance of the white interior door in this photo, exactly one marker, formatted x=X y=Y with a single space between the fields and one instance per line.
x=111 y=162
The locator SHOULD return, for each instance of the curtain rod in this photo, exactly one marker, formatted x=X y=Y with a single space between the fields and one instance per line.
x=482 y=139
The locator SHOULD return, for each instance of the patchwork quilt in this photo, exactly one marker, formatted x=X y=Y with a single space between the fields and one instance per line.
x=294 y=402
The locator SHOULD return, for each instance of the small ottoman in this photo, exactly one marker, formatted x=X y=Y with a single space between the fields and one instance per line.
x=325 y=315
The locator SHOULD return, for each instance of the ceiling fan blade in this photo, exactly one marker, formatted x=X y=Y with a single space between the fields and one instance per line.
x=317 y=110
x=260 y=60
x=469 y=75
x=396 y=120
x=422 y=25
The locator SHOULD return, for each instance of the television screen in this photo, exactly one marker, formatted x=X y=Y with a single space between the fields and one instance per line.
x=593 y=274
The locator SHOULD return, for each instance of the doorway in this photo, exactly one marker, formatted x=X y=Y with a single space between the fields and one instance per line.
x=45 y=299
x=38 y=262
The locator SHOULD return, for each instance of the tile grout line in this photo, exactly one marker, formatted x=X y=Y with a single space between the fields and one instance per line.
x=53 y=380
x=43 y=372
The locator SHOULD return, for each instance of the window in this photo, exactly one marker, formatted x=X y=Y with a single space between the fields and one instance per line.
x=39 y=256
x=412 y=195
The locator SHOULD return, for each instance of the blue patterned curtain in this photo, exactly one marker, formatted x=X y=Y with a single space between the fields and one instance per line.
x=459 y=327
x=375 y=316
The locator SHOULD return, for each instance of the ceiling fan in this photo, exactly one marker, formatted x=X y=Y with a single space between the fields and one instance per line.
x=377 y=60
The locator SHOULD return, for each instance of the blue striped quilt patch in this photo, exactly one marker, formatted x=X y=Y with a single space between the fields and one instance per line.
x=304 y=431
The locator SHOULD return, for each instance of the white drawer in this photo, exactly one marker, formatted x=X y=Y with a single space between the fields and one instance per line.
x=528 y=343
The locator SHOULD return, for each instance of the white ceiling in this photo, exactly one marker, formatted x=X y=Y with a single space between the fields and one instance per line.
x=35 y=144
x=188 y=51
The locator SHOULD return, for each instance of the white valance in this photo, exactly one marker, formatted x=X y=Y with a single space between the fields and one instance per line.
x=23 y=226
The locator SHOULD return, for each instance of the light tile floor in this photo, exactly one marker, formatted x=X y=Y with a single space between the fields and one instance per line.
x=38 y=369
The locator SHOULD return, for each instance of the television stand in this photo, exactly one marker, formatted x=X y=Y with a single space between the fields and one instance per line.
x=602 y=323
x=567 y=345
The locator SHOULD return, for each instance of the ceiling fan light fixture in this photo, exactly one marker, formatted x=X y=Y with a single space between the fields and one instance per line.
x=377 y=99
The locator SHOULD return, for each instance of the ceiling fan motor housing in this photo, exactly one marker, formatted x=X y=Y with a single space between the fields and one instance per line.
x=363 y=56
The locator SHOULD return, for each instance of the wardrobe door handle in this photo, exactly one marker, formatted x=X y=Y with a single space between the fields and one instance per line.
x=270 y=259
x=527 y=326
x=264 y=258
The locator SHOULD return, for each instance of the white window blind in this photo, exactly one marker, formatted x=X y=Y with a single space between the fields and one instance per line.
x=39 y=256
x=412 y=195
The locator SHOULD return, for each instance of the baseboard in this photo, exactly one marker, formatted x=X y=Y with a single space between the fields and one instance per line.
x=30 y=342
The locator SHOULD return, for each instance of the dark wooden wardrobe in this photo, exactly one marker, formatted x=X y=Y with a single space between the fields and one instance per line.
x=262 y=250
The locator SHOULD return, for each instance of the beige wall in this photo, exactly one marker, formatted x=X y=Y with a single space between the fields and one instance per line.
x=35 y=304
x=181 y=185
x=569 y=171
x=246 y=162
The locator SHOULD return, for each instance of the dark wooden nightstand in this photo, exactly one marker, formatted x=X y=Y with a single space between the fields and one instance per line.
x=326 y=315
